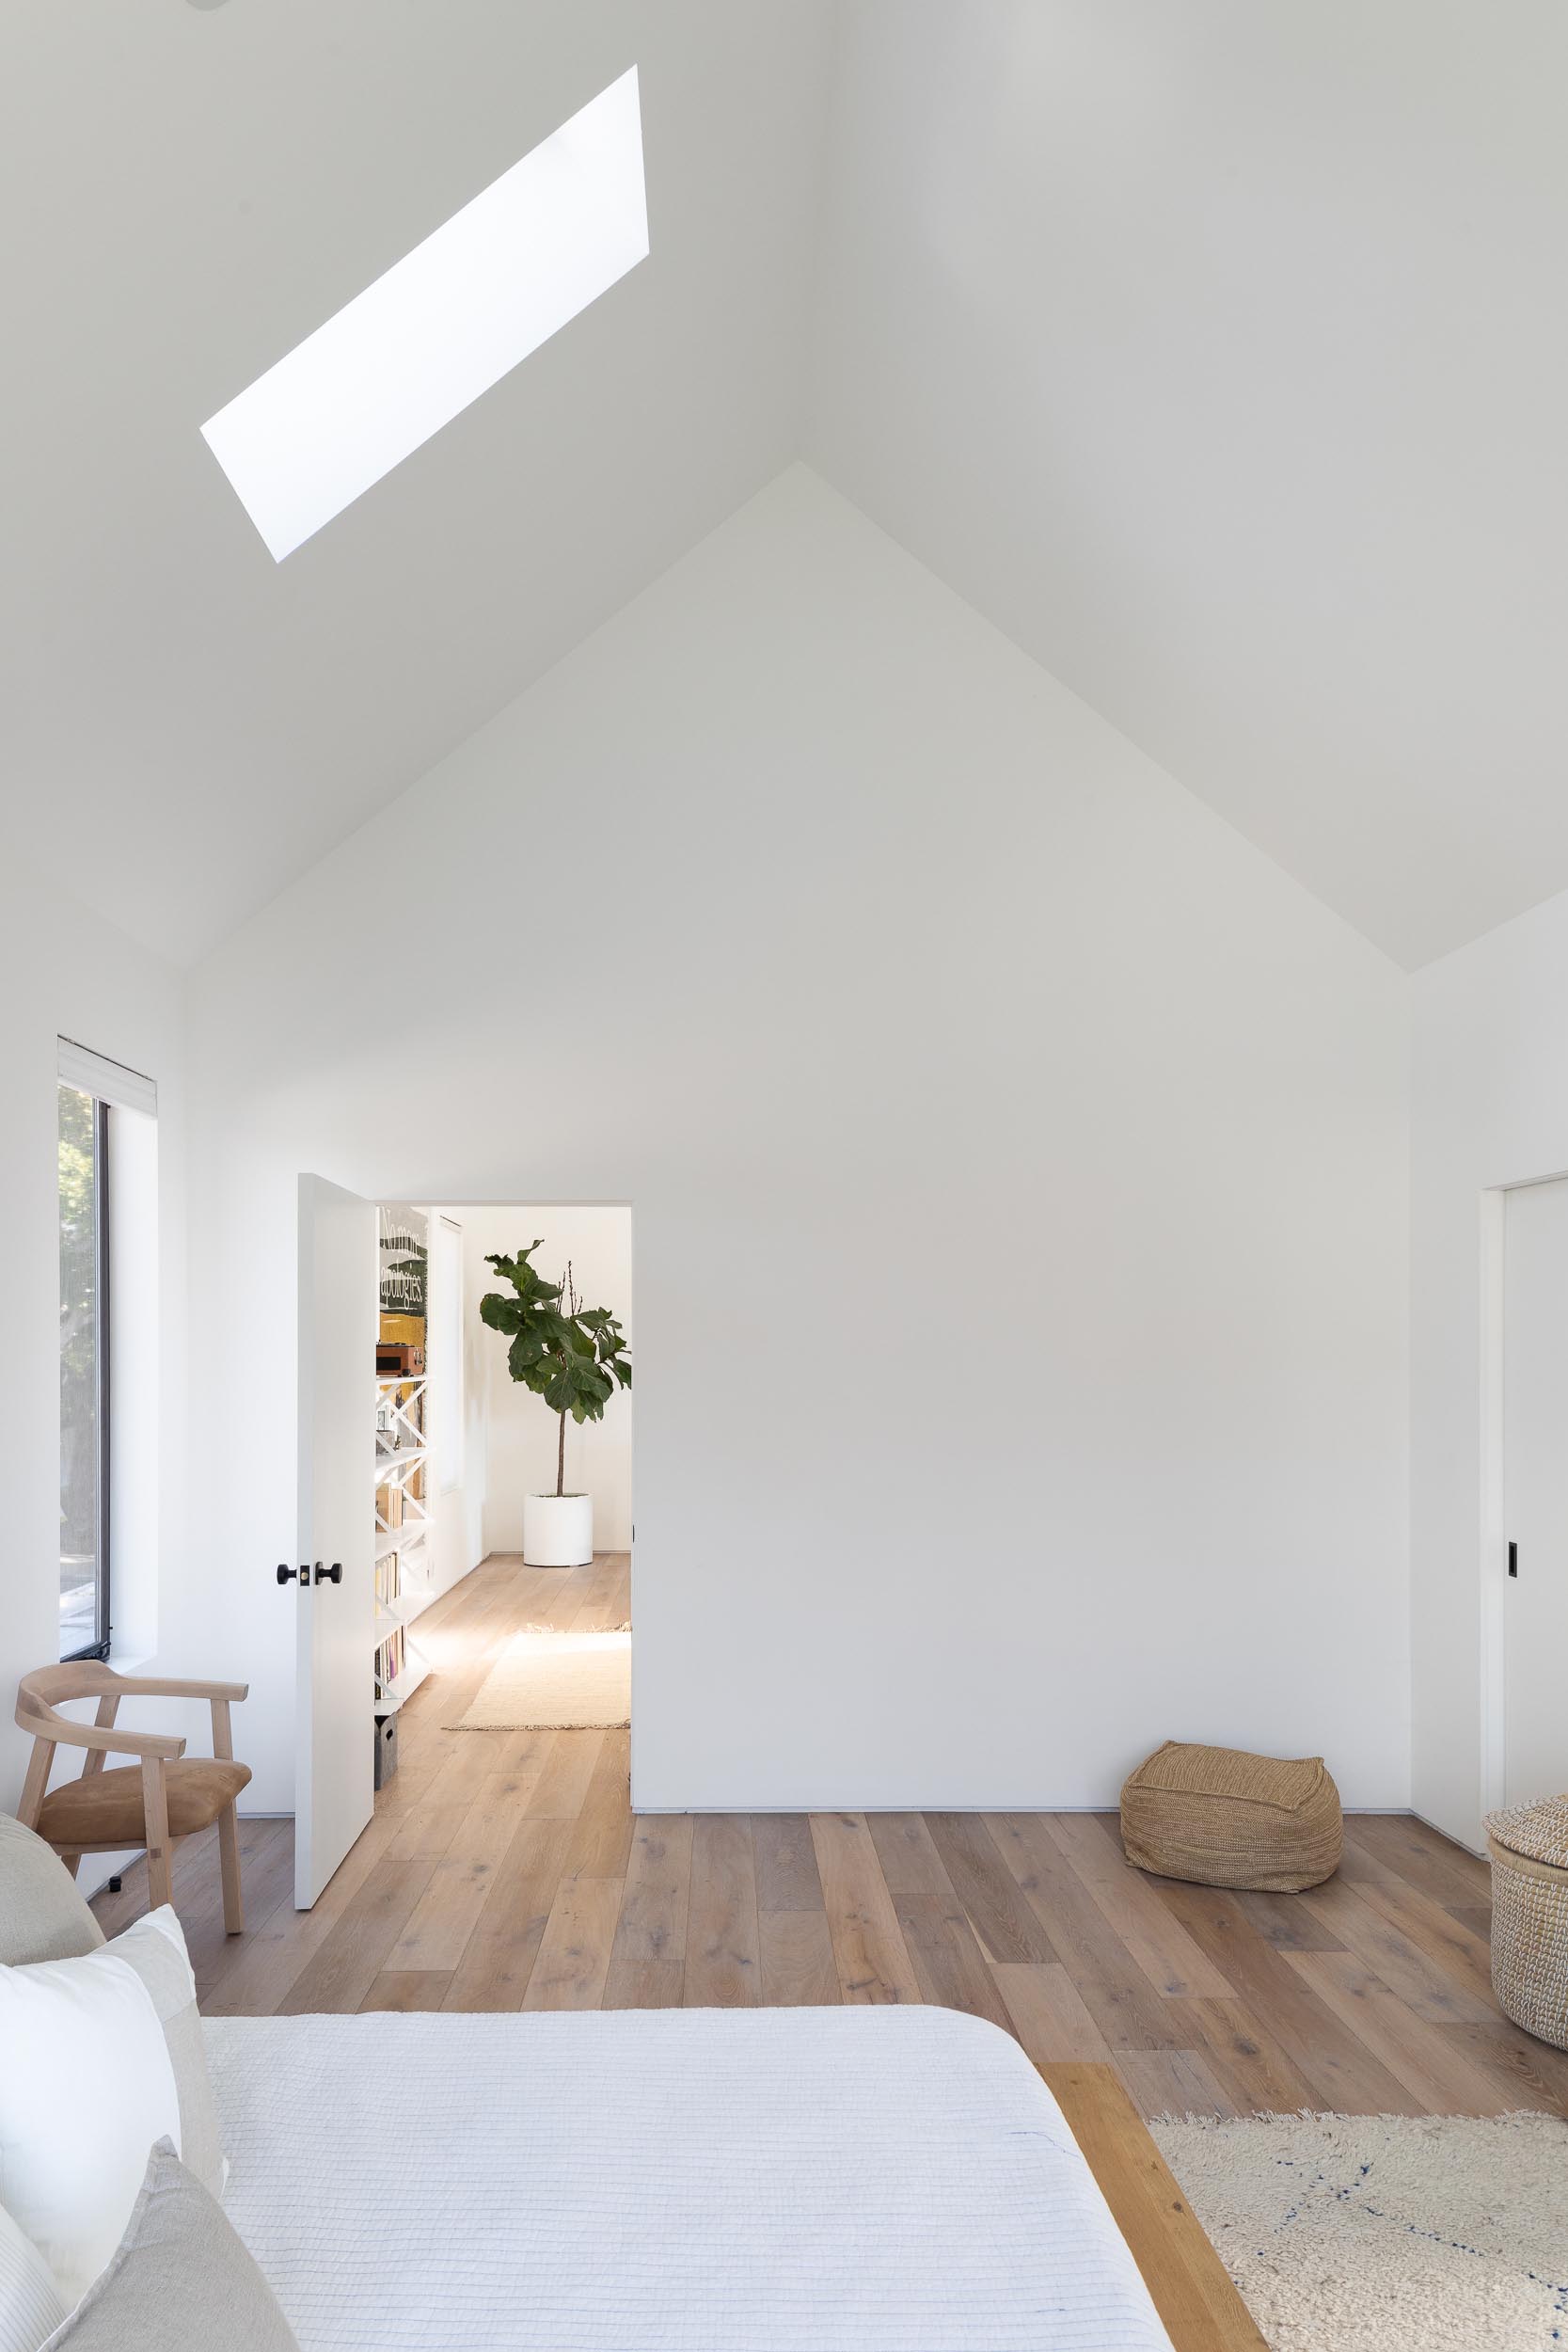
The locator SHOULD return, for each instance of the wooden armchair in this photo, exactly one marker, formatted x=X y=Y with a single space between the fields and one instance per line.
x=163 y=1797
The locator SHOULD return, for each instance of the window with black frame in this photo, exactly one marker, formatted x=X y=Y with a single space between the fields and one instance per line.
x=84 y=1177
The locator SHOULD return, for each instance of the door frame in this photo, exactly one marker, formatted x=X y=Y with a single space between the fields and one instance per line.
x=1492 y=1530
x=434 y=1200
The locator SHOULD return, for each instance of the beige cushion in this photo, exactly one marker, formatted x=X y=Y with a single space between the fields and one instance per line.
x=180 y=2279
x=42 y=1915
x=31 y=2305
x=101 y=1811
x=155 y=1949
x=1224 y=1817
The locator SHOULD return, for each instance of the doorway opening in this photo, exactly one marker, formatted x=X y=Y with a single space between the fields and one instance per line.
x=476 y=1580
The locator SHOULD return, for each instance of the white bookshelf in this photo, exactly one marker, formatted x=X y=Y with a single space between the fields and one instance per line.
x=404 y=1545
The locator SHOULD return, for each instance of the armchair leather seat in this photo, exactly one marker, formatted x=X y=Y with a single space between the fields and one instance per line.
x=103 y=1810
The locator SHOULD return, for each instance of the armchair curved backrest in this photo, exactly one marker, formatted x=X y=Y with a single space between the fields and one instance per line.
x=38 y=1699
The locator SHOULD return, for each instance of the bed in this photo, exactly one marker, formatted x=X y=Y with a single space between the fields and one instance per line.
x=894 y=2180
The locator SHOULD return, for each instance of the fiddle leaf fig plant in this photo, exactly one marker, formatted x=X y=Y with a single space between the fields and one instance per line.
x=574 y=1357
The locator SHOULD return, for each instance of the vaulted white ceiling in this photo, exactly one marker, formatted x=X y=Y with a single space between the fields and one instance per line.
x=186 y=724
x=1217 y=352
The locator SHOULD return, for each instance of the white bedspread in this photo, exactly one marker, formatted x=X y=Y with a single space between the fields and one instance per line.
x=890 y=2180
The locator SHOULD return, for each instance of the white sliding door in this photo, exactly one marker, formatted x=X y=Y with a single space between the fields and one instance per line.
x=1535 y=1491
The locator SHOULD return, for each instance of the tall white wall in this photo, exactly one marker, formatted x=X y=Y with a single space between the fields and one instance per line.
x=63 y=971
x=1489 y=1108
x=1017 y=1161
x=459 y=1507
x=520 y=1431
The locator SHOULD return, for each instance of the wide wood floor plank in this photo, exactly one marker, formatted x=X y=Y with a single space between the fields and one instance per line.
x=1047 y=2013
x=647 y=1960
x=868 y=1945
x=949 y=1965
x=1527 y=2072
x=722 y=1955
x=1258 y=2076
x=1173 y=2081
x=1439 y=2078
x=1461 y=1956
x=1159 y=1948
x=785 y=1862
x=354 y=1954
x=562 y=1786
x=796 y=1957
x=1420 y=1978
x=1191 y=2291
x=1008 y=1926
x=907 y=1853
x=498 y=1959
x=436 y=1935
x=1326 y=2052
x=267 y=1878
x=1435 y=1866
x=602 y=1843
x=278 y=1951
x=1129 y=2012
x=573 y=1953
x=1288 y=1924
x=408 y=1988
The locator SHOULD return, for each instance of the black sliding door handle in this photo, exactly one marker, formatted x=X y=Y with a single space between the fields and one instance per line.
x=1513 y=1559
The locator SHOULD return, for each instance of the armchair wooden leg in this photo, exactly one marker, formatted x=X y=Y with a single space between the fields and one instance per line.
x=228 y=1858
x=155 y=1809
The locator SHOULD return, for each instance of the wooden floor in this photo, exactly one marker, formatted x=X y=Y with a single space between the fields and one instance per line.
x=504 y=1871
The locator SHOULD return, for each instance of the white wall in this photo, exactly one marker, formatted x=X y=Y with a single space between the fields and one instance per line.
x=1019 y=1167
x=1489 y=1108
x=520 y=1441
x=63 y=971
x=459 y=1508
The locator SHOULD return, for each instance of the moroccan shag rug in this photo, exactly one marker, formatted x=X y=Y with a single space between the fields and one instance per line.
x=1387 y=2232
x=545 y=1681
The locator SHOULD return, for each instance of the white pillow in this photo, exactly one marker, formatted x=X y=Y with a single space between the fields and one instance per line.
x=87 y=2086
x=30 y=2303
x=155 y=1948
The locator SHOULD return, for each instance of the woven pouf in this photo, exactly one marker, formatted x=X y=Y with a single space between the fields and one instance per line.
x=1226 y=1819
x=1529 y=1846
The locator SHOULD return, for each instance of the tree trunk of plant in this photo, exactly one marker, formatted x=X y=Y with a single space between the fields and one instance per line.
x=561 y=1460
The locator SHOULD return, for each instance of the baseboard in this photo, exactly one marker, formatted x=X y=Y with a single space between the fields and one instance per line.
x=945 y=1804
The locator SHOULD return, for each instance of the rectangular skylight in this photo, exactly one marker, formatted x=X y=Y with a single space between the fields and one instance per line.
x=443 y=324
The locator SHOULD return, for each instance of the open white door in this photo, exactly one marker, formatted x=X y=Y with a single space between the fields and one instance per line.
x=334 y=1771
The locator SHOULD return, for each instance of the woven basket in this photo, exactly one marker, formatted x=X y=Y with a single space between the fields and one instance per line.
x=1529 y=1846
x=1226 y=1819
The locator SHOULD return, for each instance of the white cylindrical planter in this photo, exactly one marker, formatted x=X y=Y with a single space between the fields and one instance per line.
x=558 y=1531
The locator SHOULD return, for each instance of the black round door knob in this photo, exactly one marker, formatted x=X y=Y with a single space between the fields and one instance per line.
x=286 y=1575
x=334 y=1575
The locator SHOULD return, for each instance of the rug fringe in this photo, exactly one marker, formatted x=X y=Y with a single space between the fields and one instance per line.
x=563 y=1629
x=623 y=1726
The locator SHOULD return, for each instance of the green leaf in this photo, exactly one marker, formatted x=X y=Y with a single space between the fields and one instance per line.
x=526 y=1351
x=575 y=1363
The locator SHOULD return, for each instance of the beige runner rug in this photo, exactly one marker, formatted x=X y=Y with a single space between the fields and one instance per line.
x=555 y=1682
